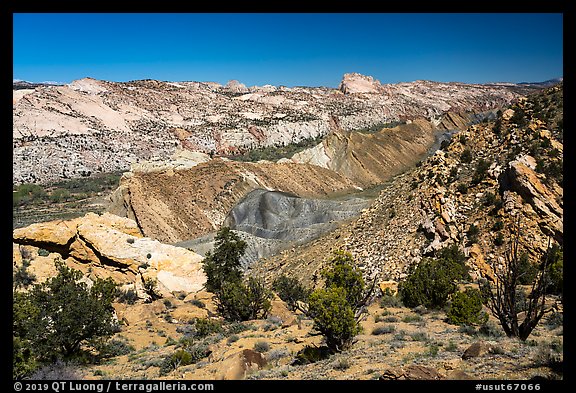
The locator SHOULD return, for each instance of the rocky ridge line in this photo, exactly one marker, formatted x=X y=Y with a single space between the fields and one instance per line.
x=436 y=203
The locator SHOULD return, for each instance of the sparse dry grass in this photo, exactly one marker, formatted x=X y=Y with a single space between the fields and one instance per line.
x=428 y=341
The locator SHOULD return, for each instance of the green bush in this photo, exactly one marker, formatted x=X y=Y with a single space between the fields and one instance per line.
x=23 y=359
x=389 y=300
x=499 y=239
x=43 y=253
x=233 y=338
x=554 y=260
x=490 y=199
x=497 y=128
x=333 y=317
x=527 y=270
x=419 y=336
x=519 y=117
x=274 y=153
x=198 y=303
x=311 y=354
x=481 y=171
x=151 y=288
x=462 y=188
x=453 y=172
x=444 y=144
x=384 y=329
x=115 y=347
x=204 y=327
x=431 y=282
x=236 y=327
x=472 y=233
x=466 y=156
x=261 y=346
x=59 y=195
x=454 y=262
x=129 y=296
x=21 y=277
x=27 y=193
x=498 y=226
x=184 y=357
x=238 y=301
x=175 y=360
x=291 y=291
x=488 y=329
x=466 y=308
x=336 y=308
x=343 y=274
x=57 y=318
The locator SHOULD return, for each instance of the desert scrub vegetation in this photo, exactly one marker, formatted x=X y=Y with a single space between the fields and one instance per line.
x=466 y=156
x=274 y=153
x=128 y=296
x=28 y=194
x=60 y=319
x=379 y=126
x=237 y=298
x=291 y=291
x=261 y=346
x=183 y=357
x=383 y=329
x=433 y=280
x=337 y=308
x=466 y=308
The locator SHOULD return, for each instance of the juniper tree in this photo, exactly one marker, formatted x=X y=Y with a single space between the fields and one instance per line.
x=237 y=299
x=338 y=307
x=57 y=318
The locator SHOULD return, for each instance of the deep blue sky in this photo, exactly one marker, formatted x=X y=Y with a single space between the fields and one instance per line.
x=288 y=49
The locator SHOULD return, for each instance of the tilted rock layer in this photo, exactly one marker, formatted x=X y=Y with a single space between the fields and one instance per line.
x=508 y=178
x=182 y=202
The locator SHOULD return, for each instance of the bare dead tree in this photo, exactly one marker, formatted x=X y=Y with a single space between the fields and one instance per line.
x=503 y=300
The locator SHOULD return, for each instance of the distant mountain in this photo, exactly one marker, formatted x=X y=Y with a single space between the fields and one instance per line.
x=548 y=83
x=19 y=84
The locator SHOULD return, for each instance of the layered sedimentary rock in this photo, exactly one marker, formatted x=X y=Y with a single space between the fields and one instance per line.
x=501 y=190
x=112 y=246
x=91 y=126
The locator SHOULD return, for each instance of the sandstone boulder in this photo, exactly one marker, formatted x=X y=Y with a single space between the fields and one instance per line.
x=389 y=286
x=280 y=310
x=479 y=262
x=241 y=364
x=521 y=178
x=113 y=243
x=53 y=234
x=412 y=372
x=476 y=350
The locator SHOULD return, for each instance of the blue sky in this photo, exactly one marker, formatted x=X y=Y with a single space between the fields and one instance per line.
x=288 y=49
